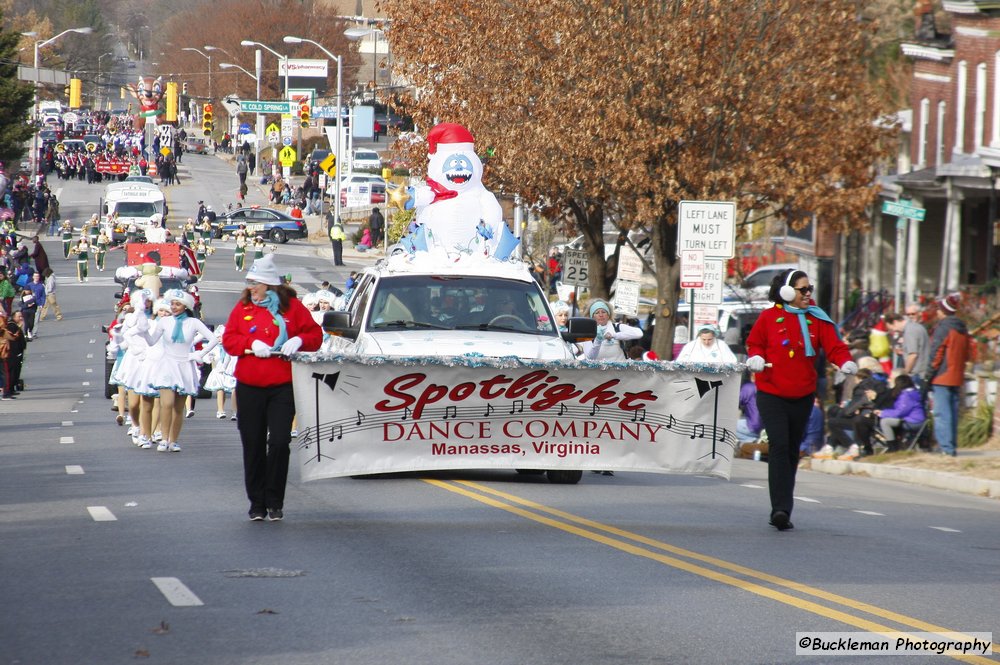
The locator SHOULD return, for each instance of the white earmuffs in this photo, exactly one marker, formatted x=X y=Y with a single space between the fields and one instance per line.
x=787 y=292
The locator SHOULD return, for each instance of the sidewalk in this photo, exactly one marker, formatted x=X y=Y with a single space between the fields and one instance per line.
x=954 y=474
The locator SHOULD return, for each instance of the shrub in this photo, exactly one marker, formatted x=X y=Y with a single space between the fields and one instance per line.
x=975 y=426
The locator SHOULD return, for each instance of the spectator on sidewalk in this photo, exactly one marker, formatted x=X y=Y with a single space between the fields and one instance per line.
x=951 y=349
x=376 y=222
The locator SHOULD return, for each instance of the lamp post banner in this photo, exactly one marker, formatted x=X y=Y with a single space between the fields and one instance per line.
x=376 y=414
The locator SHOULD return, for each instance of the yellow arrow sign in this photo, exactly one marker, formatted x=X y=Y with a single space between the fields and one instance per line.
x=329 y=165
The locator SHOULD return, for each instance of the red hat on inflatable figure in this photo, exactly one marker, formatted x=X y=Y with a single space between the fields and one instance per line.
x=455 y=136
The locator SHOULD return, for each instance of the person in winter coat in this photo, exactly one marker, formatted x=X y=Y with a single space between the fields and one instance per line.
x=266 y=326
x=951 y=348
x=907 y=407
x=608 y=345
x=782 y=349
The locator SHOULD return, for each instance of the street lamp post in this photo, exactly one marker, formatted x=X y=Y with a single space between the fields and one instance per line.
x=97 y=85
x=204 y=55
x=284 y=60
x=256 y=78
x=288 y=39
x=39 y=44
x=375 y=33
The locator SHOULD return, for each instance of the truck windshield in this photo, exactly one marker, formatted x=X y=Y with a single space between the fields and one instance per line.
x=462 y=303
x=137 y=208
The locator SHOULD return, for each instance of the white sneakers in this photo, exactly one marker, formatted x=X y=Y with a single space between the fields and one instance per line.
x=852 y=453
x=221 y=415
x=189 y=414
x=826 y=452
x=161 y=447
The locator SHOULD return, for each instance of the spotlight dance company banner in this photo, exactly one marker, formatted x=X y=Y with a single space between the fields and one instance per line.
x=367 y=415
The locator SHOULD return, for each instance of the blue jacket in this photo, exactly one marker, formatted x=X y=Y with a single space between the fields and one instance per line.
x=909 y=407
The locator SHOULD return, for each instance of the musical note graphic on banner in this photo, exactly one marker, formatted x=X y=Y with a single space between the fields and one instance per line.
x=670 y=423
x=336 y=432
x=361 y=419
x=453 y=410
x=489 y=410
x=635 y=415
x=562 y=409
x=698 y=431
x=517 y=406
x=595 y=409
x=406 y=412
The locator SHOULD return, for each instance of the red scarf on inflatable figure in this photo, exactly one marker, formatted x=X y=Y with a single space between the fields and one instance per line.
x=148 y=92
x=458 y=213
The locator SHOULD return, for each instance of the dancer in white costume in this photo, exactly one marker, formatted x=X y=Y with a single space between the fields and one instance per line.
x=221 y=380
x=176 y=375
x=133 y=335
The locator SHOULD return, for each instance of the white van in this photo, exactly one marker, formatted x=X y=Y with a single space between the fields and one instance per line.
x=130 y=202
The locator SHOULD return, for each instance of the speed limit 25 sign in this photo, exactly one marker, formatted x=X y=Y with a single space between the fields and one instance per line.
x=574 y=267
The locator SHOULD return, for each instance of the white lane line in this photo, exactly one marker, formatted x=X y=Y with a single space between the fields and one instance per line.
x=67 y=439
x=74 y=470
x=90 y=355
x=807 y=499
x=74 y=411
x=88 y=371
x=175 y=592
x=85 y=383
x=945 y=529
x=752 y=486
x=67 y=423
x=869 y=512
x=93 y=341
x=101 y=514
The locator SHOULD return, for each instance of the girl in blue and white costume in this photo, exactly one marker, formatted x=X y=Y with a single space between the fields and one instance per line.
x=176 y=374
x=221 y=380
x=128 y=370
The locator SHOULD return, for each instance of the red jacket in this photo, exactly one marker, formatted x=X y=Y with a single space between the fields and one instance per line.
x=251 y=322
x=777 y=337
x=951 y=348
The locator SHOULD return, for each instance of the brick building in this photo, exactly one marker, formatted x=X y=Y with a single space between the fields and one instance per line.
x=953 y=156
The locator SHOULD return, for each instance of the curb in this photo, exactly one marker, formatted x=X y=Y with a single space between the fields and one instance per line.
x=936 y=479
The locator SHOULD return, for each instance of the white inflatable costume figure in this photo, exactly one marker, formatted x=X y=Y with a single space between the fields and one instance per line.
x=457 y=212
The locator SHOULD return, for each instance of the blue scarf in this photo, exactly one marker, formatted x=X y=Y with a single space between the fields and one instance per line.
x=178 y=335
x=270 y=303
x=801 y=313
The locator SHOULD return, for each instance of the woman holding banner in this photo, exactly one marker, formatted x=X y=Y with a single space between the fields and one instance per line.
x=782 y=347
x=265 y=328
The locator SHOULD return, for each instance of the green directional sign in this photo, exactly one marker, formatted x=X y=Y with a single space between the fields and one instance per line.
x=903 y=210
x=264 y=106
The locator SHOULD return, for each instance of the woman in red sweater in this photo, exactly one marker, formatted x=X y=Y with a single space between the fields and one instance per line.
x=782 y=347
x=268 y=325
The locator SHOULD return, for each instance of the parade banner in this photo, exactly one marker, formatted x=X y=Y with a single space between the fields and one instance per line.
x=368 y=415
x=110 y=166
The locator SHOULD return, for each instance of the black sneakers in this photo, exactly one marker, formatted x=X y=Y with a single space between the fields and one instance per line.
x=257 y=515
x=780 y=521
x=274 y=514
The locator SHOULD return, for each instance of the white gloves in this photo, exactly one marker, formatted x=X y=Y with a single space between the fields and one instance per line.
x=195 y=356
x=850 y=367
x=291 y=346
x=755 y=364
x=260 y=349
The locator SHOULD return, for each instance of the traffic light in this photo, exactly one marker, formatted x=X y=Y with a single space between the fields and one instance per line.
x=184 y=88
x=75 y=93
x=206 y=119
x=303 y=115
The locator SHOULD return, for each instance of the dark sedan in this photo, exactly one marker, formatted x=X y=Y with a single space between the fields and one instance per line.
x=270 y=224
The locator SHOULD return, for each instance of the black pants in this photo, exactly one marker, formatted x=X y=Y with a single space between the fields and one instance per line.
x=785 y=421
x=338 y=252
x=265 y=423
x=861 y=425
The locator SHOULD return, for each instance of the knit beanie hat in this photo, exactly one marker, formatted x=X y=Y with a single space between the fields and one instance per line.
x=264 y=271
x=950 y=303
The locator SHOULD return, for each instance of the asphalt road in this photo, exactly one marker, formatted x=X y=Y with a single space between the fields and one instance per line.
x=111 y=554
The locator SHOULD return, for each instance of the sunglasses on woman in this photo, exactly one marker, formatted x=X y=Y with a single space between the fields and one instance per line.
x=805 y=290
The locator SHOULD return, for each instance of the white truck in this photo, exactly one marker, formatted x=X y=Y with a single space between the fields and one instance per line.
x=412 y=306
x=127 y=203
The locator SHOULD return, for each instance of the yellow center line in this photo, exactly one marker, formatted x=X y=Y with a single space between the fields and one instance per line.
x=687 y=566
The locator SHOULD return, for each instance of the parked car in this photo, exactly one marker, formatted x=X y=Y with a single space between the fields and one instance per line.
x=757 y=284
x=365 y=186
x=363 y=159
x=196 y=144
x=268 y=223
